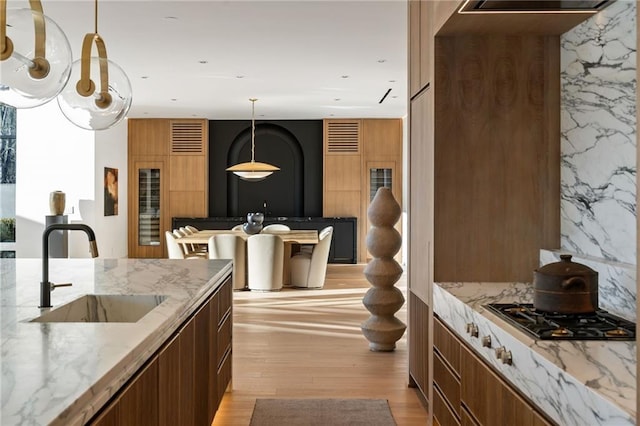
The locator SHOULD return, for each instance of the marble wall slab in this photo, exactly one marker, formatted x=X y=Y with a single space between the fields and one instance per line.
x=598 y=126
x=616 y=282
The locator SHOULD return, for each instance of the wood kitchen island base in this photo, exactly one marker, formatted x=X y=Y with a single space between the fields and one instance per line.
x=184 y=382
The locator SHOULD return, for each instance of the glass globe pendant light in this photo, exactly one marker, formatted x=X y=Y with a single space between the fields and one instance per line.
x=35 y=56
x=92 y=106
x=253 y=171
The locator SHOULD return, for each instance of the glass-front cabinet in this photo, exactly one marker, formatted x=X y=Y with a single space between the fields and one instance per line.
x=149 y=201
x=149 y=207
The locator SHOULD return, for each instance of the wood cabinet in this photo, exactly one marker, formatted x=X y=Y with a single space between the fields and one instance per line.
x=419 y=348
x=467 y=391
x=168 y=176
x=183 y=383
x=420 y=45
x=354 y=150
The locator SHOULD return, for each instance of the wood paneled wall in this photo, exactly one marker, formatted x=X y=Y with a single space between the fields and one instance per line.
x=179 y=149
x=496 y=156
x=351 y=147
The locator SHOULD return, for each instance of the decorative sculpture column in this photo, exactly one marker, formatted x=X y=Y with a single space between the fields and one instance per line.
x=383 y=300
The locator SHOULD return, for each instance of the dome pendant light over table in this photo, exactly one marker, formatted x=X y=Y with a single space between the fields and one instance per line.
x=87 y=104
x=253 y=171
x=35 y=57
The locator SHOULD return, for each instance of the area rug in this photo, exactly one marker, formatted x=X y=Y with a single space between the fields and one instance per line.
x=322 y=412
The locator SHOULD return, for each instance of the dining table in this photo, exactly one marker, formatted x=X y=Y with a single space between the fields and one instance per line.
x=290 y=238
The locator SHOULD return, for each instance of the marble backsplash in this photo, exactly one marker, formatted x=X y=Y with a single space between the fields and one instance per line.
x=598 y=135
x=616 y=282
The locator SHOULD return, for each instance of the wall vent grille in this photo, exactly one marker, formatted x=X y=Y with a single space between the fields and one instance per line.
x=343 y=137
x=187 y=137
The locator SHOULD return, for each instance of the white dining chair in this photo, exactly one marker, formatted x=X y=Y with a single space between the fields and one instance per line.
x=187 y=248
x=231 y=247
x=275 y=227
x=237 y=227
x=191 y=228
x=174 y=250
x=265 y=260
x=308 y=270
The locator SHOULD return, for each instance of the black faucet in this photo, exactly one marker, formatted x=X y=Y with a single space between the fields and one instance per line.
x=45 y=285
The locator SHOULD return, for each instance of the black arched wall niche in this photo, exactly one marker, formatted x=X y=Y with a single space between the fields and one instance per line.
x=293 y=145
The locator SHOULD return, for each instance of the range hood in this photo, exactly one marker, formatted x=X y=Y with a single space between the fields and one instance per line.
x=532 y=6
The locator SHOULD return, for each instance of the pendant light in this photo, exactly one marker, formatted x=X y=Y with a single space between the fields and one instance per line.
x=253 y=171
x=35 y=56
x=86 y=104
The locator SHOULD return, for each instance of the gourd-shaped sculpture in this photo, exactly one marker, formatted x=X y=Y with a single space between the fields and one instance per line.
x=253 y=225
x=383 y=300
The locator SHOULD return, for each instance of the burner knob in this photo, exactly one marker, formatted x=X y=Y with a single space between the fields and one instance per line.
x=486 y=341
x=505 y=357
x=499 y=351
x=472 y=329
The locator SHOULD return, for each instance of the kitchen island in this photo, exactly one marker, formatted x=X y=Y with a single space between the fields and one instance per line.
x=63 y=373
x=573 y=382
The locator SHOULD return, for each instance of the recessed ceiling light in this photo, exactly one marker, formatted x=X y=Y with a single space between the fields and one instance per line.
x=344 y=76
x=381 y=61
x=239 y=76
x=392 y=81
x=173 y=99
x=171 y=18
x=203 y=62
x=145 y=113
x=144 y=77
x=336 y=99
x=394 y=97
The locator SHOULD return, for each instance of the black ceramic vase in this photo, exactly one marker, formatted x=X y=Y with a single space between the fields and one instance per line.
x=253 y=224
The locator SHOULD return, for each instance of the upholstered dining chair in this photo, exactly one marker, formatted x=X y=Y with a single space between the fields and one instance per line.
x=275 y=227
x=174 y=250
x=191 y=228
x=308 y=270
x=237 y=227
x=189 y=250
x=265 y=260
x=231 y=247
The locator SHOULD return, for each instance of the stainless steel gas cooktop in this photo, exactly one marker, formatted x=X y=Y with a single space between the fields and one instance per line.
x=599 y=325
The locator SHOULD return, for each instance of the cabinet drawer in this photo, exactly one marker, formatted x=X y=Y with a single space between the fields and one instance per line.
x=224 y=338
x=441 y=410
x=447 y=382
x=467 y=420
x=225 y=298
x=447 y=344
x=224 y=375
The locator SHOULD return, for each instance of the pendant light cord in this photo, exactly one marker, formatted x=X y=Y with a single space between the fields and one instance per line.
x=253 y=128
x=95 y=22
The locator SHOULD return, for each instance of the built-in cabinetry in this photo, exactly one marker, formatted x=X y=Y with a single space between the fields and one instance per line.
x=168 y=169
x=421 y=156
x=466 y=391
x=183 y=383
x=484 y=153
x=359 y=156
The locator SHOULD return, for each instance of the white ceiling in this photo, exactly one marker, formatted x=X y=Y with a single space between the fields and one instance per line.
x=291 y=55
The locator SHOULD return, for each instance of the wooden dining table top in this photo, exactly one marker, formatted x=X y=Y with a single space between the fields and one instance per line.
x=300 y=236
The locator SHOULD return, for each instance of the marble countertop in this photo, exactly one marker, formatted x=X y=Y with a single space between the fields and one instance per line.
x=574 y=382
x=62 y=373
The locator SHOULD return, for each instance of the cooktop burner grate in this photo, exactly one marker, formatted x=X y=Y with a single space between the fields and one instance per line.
x=600 y=325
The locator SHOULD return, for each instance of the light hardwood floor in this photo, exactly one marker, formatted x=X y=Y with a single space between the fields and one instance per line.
x=308 y=344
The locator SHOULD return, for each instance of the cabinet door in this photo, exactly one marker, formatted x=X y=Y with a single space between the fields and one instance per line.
x=202 y=358
x=109 y=417
x=139 y=401
x=418 y=343
x=169 y=384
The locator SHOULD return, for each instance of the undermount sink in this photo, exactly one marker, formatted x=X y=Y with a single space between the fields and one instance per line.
x=103 y=308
